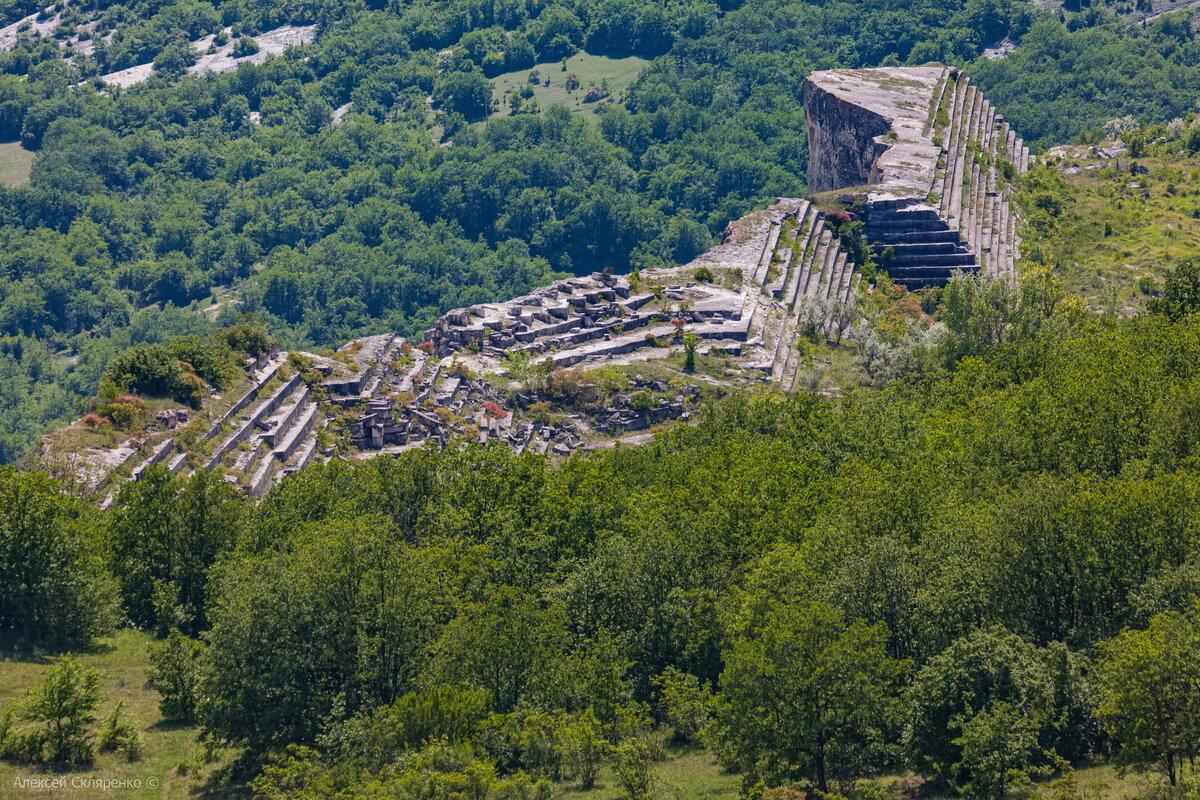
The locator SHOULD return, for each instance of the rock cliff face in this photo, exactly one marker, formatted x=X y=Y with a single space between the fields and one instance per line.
x=845 y=140
x=930 y=163
x=870 y=126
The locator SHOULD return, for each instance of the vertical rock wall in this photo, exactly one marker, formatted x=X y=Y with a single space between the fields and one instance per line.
x=843 y=140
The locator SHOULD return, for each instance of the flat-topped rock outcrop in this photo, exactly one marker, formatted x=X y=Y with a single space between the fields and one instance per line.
x=871 y=128
x=916 y=153
x=926 y=162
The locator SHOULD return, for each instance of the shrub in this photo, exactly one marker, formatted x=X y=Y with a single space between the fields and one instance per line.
x=690 y=342
x=571 y=387
x=63 y=706
x=249 y=336
x=213 y=361
x=119 y=734
x=178 y=370
x=127 y=412
x=493 y=410
x=1181 y=293
x=642 y=401
x=704 y=275
x=631 y=763
x=173 y=666
x=95 y=422
x=584 y=747
x=539 y=412
x=687 y=704
x=245 y=47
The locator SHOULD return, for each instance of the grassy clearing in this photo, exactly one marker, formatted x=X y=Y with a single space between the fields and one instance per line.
x=695 y=775
x=171 y=763
x=1119 y=230
x=1088 y=782
x=172 y=757
x=690 y=774
x=619 y=73
x=15 y=163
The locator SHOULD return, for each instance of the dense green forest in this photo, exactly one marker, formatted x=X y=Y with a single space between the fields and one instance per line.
x=238 y=188
x=986 y=574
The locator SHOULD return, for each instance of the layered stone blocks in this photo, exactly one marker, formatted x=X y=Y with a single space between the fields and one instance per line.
x=929 y=165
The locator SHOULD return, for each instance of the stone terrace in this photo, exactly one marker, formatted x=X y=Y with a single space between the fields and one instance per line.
x=922 y=157
x=933 y=168
x=778 y=274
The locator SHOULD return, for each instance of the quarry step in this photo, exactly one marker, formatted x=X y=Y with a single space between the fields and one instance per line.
x=906 y=215
x=296 y=434
x=903 y=226
x=903 y=249
x=923 y=275
x=917 y=237
x=905 y=260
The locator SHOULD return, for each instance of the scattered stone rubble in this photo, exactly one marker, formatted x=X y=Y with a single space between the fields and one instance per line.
x=919 y=145
x=928 y=158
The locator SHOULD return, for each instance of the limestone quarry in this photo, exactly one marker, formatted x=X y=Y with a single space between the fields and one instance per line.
x=917 y=154
x=926 y=163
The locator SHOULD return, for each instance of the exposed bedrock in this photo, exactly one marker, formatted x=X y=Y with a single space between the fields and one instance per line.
x=929 y=162
x=844 y=140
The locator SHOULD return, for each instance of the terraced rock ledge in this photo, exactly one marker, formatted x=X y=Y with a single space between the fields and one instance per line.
x=915 y=152
x=925 y=161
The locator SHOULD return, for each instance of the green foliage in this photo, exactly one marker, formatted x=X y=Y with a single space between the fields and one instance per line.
x=174 y=672
x=465 y=93
x=55 y=593
x=690 y=343
x=292 y=629
x=992 y=705
x=999 y=744
x=447 y=713
x=163 y=536
x=584 y=747
x=118 y=733
x=631 y=763
x=244 y=47
x=183 y=369
x=687 y=704
x=155 y=371
x=1148 y=701
x=804 y=695
x=982 y=313
x=439 y=770
x=1181 y=293
x=503 y=644
x=249 y=336
x=61 y=708
x=1067 y=79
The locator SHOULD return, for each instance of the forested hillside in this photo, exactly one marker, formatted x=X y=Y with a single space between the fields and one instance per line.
x=984 y=576
x=244 y=191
